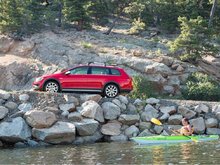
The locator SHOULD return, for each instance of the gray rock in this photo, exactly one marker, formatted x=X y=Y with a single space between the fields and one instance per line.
x=211 y=122
x=86 y=127
x=88 y=97
x=165 y=133
x=132 y=131
x=4 y=95
x=67 y=107
x=88 y=139
x=111 y=128
x=1 y=144
x=54 y=110
x=216 y=109
x=123 y=99
x=111 y=111
x=146 y=132
x=164 y=117
x=116 y=102
x=3 y=112
x=92 y=109
x=118 y=138
x=2 y=102
x=149 y=113
x=75 y=117
x=24 y=98
x=40 y=119
x=168 y=89
x=198 y=125
x=201 y=108
x=20 y=145
x=144 y=125
x=173 y=80
x=71 y=99
x=158 y=129
x=61 y=132
x=213 y=131
x=152 y=101
x=11 y=105
x=139 y=104
x=65 y=113
x=132 y=109
x=175 y=119
x=32 y=143
x=25 y=107
x=186 y=112
x=168 y=110
x=129 y=119
x=15 y=131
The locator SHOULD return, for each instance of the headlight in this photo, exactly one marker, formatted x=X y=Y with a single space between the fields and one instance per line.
x=39 y=79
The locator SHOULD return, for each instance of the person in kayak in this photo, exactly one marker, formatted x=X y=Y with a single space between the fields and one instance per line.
x=186 y=128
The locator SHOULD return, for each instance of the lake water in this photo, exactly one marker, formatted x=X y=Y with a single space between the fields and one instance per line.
x=115 y=153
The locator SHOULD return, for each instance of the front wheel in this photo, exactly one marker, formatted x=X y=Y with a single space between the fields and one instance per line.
x=52 y=87
x=111 y=90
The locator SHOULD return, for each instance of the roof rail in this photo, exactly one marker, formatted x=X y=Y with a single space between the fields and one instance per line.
x=97 y=63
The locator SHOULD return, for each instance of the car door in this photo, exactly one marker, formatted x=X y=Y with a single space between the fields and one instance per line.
x=97 y=77
x=75 y=78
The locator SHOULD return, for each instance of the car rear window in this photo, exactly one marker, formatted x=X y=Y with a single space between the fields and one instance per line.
x=115 y=72
x=99 y=70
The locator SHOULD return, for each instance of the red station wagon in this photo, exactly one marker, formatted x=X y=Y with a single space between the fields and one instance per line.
x=108 y=80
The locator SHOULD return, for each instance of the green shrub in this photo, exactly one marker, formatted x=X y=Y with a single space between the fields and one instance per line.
x=200 y=86
x=142 y=88
x=86 y=45
x=137 y=26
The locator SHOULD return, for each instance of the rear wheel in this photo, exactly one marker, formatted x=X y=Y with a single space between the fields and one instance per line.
x=52 y=87
x=111 y=90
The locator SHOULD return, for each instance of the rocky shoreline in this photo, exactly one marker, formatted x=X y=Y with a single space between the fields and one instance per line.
x=37 y=119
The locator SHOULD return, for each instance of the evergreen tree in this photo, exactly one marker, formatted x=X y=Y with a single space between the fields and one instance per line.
x=76 y=11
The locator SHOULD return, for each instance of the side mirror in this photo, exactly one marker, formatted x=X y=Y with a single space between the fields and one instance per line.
x=68 y=72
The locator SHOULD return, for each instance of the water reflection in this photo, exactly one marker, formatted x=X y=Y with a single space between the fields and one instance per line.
x=115 y=153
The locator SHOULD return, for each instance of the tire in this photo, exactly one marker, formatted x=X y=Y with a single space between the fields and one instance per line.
x=111 y=90
x=51 y=87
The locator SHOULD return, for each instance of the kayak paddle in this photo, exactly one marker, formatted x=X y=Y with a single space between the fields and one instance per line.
x=157 y=122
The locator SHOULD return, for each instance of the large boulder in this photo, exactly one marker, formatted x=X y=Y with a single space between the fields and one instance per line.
x=175 y=119
x=198 y=125
x=211 y=122
x=92 y=97
x=149 y=113
x=3 y=112
x=186 y=112
x=144 y=125
x=70 y=107
x=15 y=131
x=86 y=127
x=131 y=131
x=118 y=138
x=201 y=108
x=24 y=98
x=75 y=117
x=129 y=119
x=11 y=105
x=4 y=95
x=168 y=110
x=40 y=119
x=24 y=107
x=88 y=139
x=61 y=132
x=112 y=128
x=213 y=131
x=152 y=101
x=123 y=99
x=111 y=111
x=146 y=132
x=92 y=109
x=5 y=43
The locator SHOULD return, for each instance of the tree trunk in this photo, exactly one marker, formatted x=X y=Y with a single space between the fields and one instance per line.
x=60 y=8
x=212 y=12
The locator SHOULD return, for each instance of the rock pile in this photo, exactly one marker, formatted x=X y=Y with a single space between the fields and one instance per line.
x=33 y=118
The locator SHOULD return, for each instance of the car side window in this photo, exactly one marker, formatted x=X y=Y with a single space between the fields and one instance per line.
x=99 y=70
x=115 y=72
x=79 y=70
